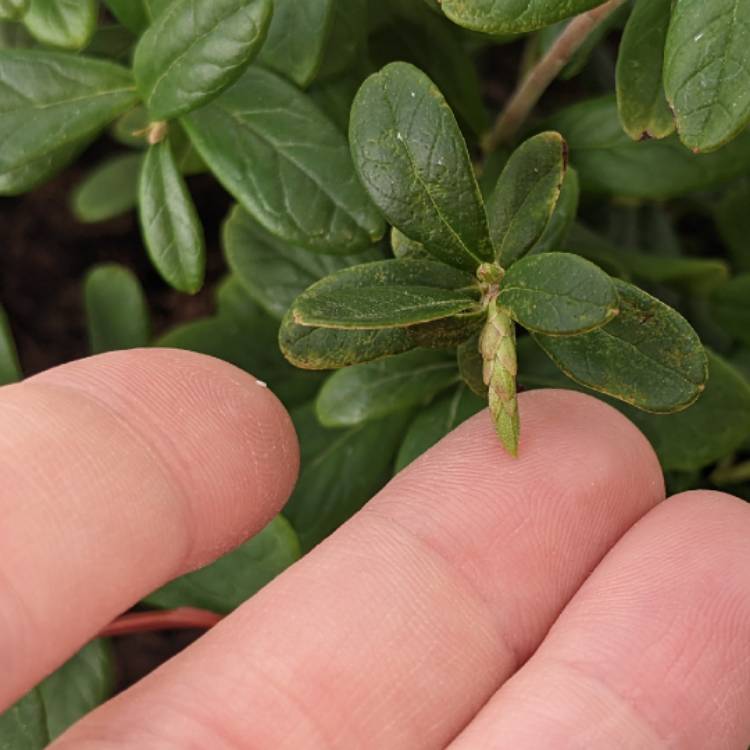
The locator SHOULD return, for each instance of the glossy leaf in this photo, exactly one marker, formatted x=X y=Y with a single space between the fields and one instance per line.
x=154 y=8
x=22 y=726
x=109 y=190
x=130 y=13
x=512 y=16
x=10 y=368
x=387 y=294
x=558 y=294
x=562 y=217
x=171 y=228
x=225 y=584
x=244 y=335
x=194 y=50
x=116 y=309
x=436 y=421
x=525 y=196
x=641 y=101
x=341 y=470
x=297 y=38
x=330 y=348
x=286 y=164
x=648 y=356
x=62 y=23
x=706 y=72
x=370 y=391
x=413 y=161
x=731 y=307
x=273 y=272
x=714 y=427
x=608 y=161
x=78 y=687
x=13 y=10
x=49 y=103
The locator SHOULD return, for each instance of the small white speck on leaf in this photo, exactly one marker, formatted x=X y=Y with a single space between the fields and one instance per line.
x=261 y=384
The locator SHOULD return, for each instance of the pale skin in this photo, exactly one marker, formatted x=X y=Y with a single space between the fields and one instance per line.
x=479 y=601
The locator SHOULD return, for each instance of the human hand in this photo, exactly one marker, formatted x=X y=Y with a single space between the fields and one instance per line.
x=477 y=602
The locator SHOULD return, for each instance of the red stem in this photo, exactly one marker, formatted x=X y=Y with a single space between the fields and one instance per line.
x=184 y=618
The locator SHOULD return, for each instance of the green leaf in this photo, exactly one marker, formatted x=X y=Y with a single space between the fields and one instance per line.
x=562 y=217
x=15 y=36
x=49 y=103
x=10 y=368
x=525 y=196
x=387 y=294
x=171 y=227
x=297 y=38
x=244 y=335
x=413 y=160
x=78 y=687
x=329 y=348
x=733 y=222
x=413 y=37
x=334 y=97
x=706 y=73
x=641 y=101
x=155 y=8
x=13 y=10
x=512 y=16
x=608 y=161
x=716 y=426
x=129 y=129
x=373 y=390
x=193 y=51
x=23 y=725
x=346 y=42
x=403 y=247
x=109 y=190
x=130 y=13
x=62 y=23
x=341 y=470
x=648 y=356
x=225 y=584
x=111 y=41
x=558 y=294
x=436 y=421
x=730 y=305
x=116 y=309
x=286 y=164
x=273 y=272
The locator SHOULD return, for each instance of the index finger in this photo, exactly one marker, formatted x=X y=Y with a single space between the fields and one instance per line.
x=118 y=473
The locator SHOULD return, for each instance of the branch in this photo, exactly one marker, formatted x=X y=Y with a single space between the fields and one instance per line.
x=184 y=618
x=530 y=90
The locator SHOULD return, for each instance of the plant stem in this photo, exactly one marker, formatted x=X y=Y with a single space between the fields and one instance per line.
x=184 y=618
x=536 y=82
x=497 y=345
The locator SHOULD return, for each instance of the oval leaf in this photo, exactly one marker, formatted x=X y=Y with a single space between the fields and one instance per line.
x=193 y=51
x=558 y=294
x=286 y=164
x=706 y=70
x=62 y=23
x=648 y=356
x=525 y=196
x=609 y=161
x=641 y=101
x=116 y=309
x=49 y=103
x=23 y=725
x=225 y=584
x=171 y=227
x=273 y=272
x=297 y=38
x=512 y=16
x=387 y=294
x=109 y=190
x=370 y=391
x=10 y=368
x=412 y=159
